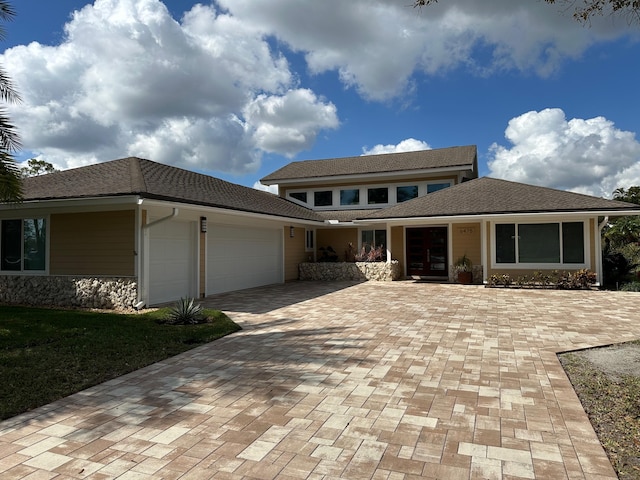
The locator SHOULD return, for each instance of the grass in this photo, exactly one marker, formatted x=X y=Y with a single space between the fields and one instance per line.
x=613 y=407
x=47 y=354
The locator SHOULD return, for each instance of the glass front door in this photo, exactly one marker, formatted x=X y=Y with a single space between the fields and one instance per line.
x=427 y=251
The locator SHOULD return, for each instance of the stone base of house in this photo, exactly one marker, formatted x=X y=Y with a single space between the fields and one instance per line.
x=329 y=271
x=63 y=291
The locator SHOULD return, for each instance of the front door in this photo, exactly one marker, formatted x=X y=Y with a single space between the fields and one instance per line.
x=427 y=251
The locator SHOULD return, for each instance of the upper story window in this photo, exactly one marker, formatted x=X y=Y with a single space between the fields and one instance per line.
x=406 y=192
x=350 y=196
x=23 y=245
x=434 y=187
x=323 y=198
x=377 y=195
x=301 y=196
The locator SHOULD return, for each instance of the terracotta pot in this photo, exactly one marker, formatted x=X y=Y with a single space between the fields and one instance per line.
x=465 y=278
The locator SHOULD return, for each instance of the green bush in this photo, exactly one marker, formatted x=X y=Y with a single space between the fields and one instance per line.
x=631 y=287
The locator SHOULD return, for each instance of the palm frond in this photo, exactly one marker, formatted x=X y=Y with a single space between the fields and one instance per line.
x=10 y=179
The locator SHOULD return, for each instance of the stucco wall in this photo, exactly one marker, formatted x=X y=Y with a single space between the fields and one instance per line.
x=338 y=239
x=294 y=252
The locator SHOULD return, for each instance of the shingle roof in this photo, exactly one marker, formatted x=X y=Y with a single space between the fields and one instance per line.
x=492 y=196
x=136 y=176
x=464 y=157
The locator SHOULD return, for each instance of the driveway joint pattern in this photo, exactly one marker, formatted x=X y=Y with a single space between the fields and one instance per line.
x=395 y=380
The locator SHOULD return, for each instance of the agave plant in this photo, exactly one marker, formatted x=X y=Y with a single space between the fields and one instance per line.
x=185 y=312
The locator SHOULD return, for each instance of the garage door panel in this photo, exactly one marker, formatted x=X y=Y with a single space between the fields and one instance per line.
x=171 y=261
x=243 y=257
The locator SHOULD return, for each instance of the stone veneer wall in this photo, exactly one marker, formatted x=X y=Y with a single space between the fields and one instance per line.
x=329 y=271
x=63 y=291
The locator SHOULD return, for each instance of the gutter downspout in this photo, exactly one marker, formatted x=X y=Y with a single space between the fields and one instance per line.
x=144 y=277
x=160 y=220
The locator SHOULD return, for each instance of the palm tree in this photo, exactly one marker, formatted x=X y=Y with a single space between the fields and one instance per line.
x=10 y=178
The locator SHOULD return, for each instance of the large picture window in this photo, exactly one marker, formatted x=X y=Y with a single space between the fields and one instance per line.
x=23 y=245
x=540 y=243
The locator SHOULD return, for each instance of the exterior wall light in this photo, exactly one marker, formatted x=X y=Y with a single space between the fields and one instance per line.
x=291 y=232
x=203 y=224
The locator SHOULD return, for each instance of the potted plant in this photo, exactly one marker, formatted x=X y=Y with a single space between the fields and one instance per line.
x=463 y=270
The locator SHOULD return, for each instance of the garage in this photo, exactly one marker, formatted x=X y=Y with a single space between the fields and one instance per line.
x=241 y=257
x=172 y=261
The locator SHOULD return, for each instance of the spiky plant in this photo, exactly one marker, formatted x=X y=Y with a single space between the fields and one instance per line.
x=185 y=312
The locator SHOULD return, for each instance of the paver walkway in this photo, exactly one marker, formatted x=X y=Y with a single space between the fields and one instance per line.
x=374 y=380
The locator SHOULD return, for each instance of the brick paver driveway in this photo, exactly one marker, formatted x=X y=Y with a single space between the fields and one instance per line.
x=374 y=380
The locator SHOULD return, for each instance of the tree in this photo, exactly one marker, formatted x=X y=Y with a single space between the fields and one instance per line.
x=10 y=178
x=36 y=167
x=585 y=10
x=632 y=195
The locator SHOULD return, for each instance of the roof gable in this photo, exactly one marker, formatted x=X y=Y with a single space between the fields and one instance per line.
x=453 y=157
x=490 y=196
x=136 y=176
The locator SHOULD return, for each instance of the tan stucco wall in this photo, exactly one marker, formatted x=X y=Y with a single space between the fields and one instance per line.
x=94 y=243
x=338 y=239
x=294 y=252
x=466 y=240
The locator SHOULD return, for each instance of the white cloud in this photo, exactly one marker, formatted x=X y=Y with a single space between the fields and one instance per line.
x=588 y=156
x=266 y=188
x=377 y=45
x=407 y=145
x=289 y=123
x=131 y=80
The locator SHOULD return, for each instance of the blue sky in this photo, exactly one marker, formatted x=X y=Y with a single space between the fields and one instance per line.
x=238 y=88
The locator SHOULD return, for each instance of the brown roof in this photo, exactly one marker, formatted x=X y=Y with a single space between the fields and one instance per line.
x=463 y=157
x=490 y=196
x=136 y=176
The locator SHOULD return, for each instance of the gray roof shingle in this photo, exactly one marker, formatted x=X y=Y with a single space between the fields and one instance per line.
x=464 y=157
x=491 y=196
x=136 y=176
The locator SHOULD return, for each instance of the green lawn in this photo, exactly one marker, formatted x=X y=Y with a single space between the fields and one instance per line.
x=47 y=354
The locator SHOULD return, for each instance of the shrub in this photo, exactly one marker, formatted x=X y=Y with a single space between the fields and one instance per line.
x=579 y=280
x=327 y=254
x=185 y=312
x=631 y=287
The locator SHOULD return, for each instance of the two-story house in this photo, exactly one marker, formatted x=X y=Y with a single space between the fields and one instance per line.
x=136 y=232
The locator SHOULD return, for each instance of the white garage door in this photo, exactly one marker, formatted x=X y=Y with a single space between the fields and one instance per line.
x=243 y=257
x=172 y=261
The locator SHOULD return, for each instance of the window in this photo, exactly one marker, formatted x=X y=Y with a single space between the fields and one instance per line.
x=374 y=238
x=540 y=243
x=323 y=198
x=434 y=187
x=377 y=195
x=300 y=196
x=350 y=197
x=406 y=193
x=23 y=245
x=309 y=240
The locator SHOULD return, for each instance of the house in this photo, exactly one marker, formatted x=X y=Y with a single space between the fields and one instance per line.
x=135 y=232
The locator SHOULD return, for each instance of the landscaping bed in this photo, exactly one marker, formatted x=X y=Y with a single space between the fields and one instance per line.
x=47 y=354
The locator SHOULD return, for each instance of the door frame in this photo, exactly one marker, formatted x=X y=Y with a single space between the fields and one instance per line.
x=447 y=246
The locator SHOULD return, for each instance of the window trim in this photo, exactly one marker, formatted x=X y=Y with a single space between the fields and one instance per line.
x=309 y=234
x=392 y=194
x=543 y=266
x=47 y=241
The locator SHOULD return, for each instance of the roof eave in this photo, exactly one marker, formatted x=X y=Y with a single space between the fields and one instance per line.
x=501 y=215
